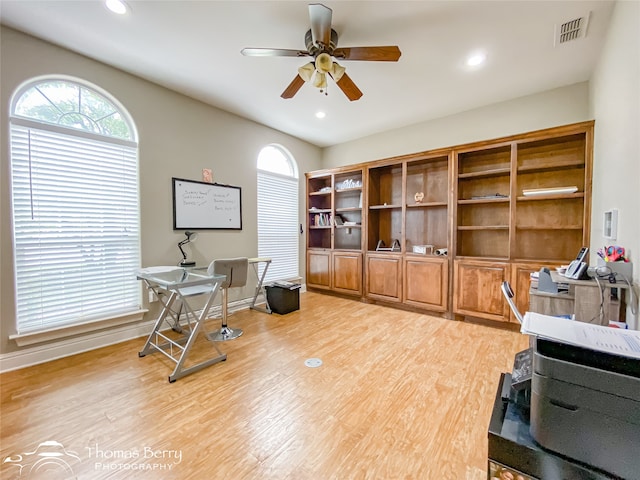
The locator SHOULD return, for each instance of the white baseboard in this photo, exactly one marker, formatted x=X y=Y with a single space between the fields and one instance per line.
x=35 y=355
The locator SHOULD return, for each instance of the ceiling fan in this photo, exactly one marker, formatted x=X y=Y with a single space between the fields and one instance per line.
x=322 y=44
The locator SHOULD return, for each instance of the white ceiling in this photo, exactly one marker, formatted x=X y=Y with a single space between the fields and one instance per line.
x=194 y=47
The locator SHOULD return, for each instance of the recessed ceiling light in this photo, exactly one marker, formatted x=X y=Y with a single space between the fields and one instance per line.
x=116 y=6
x=320 y=114
x=476 y=59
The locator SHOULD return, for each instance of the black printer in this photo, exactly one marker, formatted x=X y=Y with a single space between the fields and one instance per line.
x=585 y=405
x=567 y=413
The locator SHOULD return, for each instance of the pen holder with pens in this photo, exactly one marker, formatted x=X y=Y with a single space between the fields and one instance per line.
x=612 y=260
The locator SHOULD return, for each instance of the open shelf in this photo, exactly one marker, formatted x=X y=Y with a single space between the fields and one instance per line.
x=554 y=153
x=578 y=163
x=483 y=243
x=483 y=200
x=485 y=162
x=385 y=186
x=496 y=172
x=557 y=227
x=483 y=227
x=383 y=207
x=348 y=237
x=427 y=205
x=550 y=244
x=562 y=196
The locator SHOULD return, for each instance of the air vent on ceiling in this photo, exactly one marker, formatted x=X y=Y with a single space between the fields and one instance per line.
x=571 y=30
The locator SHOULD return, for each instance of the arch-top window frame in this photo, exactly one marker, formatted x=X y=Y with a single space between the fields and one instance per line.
x=76 y=209
x=276 y=159
x=79 y=106
x=278 y=210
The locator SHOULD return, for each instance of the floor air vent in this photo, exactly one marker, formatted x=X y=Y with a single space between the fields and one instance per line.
x=571 y=30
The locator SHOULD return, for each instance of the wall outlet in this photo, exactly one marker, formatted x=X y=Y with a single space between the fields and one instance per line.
x=152 y=296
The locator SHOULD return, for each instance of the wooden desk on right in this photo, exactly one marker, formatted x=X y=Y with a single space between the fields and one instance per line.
x=591 y=301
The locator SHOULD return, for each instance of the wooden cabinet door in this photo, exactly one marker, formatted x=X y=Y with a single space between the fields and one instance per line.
x=347 y=272
x=384 y=277
x=318 y=269
x=521 y=283
x=426 y=282
x=477 y=289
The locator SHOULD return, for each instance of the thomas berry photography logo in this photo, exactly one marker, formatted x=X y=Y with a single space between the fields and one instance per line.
x=50 y=460
x=133 y=459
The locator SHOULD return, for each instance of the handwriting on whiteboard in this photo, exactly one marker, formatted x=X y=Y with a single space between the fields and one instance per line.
x=201 y=205
x=220 y=201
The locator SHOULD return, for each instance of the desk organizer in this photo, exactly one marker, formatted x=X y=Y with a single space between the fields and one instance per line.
x=624 y=269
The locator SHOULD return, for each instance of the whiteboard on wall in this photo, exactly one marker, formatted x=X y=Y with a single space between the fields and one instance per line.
x=206 y=206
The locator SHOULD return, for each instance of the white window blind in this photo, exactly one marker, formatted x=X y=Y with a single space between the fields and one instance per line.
x=76 y=226
x=278 y=225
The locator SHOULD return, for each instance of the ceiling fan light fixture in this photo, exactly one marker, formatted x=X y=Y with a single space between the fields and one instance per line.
x=306 y=71
x=320 y=80
x=324 y=63
x=337 y=71
x=321 y=43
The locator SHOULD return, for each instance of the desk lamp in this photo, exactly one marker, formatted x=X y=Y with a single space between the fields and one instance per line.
x=191 y=237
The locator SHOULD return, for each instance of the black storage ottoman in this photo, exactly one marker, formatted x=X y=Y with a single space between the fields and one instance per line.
x=283 y=299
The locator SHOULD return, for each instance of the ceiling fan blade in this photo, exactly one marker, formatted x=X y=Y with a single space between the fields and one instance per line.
x=375 y=54
x=293 y=87
x=273 y=52
x=348 y=87
x=320 y=17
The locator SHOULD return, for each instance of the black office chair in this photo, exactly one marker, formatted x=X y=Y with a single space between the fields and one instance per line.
x=508 y=294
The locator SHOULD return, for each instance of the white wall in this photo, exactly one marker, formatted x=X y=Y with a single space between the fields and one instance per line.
x=615 y=103
x=560 y=106
x=178 y=137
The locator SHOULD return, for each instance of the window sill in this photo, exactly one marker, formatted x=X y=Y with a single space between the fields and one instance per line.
x=42 y=336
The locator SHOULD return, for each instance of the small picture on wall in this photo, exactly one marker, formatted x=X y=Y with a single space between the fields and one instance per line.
x=207 y=175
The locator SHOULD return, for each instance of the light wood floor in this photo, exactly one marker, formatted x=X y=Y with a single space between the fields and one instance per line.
x=398 y=395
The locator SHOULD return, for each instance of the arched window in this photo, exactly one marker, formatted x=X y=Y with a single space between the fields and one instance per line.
x=278 y=234
x=76 y=220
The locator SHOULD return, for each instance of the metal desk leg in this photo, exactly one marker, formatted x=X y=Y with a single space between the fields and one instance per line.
x=175 y=316
x=178 y=350
x=156 y=327
x=180 y=371
x=260 y=288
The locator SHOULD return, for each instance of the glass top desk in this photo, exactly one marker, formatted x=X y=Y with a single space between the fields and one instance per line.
x=180 y=283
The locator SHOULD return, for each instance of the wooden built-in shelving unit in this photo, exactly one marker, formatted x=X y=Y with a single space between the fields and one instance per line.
x=468 y=201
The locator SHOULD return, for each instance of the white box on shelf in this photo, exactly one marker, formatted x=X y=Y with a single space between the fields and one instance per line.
x=423 y=249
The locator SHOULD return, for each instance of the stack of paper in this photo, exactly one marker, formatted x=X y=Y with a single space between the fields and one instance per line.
x=596 y=337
